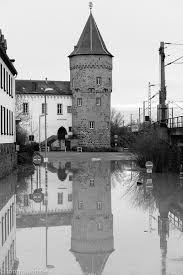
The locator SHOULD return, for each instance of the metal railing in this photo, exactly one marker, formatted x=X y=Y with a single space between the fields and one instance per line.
x=175 y=122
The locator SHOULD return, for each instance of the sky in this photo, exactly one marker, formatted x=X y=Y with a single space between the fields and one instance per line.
x=42 y=33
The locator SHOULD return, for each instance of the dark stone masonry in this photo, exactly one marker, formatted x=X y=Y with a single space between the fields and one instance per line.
x=8 y=159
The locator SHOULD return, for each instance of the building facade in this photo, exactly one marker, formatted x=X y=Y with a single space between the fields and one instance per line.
x=79 y=109
x=7 y=111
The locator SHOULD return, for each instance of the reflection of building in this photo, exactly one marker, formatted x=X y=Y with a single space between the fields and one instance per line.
x=92 y=224
x=59 y=208
x=8 y=261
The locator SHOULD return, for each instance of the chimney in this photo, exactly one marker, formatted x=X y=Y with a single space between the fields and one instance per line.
x=3 y=42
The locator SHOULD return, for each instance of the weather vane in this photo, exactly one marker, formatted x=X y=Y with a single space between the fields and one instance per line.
x=90 y=6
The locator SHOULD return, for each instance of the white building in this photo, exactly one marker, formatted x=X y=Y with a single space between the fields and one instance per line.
x=7 y=110
x=30 y=108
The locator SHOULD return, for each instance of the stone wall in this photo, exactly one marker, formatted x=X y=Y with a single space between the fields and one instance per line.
x=84 y=72
x=8 y=159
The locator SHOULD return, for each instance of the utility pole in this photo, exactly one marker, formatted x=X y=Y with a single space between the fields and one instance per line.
x=162 y=107
x=131 y=119
x=144 y=110
x=139 y=116
x=149 y=101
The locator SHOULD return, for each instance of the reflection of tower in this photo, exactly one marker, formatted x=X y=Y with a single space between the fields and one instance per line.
x=8 y=260
x=163 y=230
x=92 y=225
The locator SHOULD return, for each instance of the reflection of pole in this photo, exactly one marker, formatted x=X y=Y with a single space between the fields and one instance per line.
x=37 y=177
x=46 y=210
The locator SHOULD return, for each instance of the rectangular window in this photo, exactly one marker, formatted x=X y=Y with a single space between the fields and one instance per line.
x=59 y=109
x=70 y=177
x=1 y=76
x=79 y=102
x=99 y=205
x=43 y=108
x=100 y=226
x=4 y=115
x=4 y=79
x=11 y=87
x=92 y=182
x=2 y=120
x=25 y=108
x=98 y=101
x=2 y=229
x=26 y=200
x=92 y=125
x=69 y=197
x=70 y=129
x=99 y=80
x=107 y=125
x=80 y=205
x=69 y=109
x=7 y=122
x=60 y=198
x=7 y=82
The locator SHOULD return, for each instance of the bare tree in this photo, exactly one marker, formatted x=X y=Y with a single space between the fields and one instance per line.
x=117 y=118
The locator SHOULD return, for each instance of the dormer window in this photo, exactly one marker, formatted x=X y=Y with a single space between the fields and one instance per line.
x=99 y=80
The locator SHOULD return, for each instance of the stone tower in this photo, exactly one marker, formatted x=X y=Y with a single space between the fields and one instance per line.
x=91 y=85
x=92 y=239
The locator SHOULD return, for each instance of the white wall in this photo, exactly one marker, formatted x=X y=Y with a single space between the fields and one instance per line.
x=9 y=103
x=54 y=121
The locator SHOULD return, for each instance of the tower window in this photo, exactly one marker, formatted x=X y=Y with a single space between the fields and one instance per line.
x=99 y=205
x=59 y=109
x=92 y=182
x=25 y=108
x=99 y=80
x=69 y=109
x=80 y=205
x=109 y=81
x=92 y=125
x=79 y=102
x=100 y=226
x=98 y=101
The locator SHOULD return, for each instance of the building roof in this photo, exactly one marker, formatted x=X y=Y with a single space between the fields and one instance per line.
x=38 y=87
x=7 y=61
x=90 y=42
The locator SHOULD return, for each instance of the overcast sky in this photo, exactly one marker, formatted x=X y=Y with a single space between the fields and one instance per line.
x=42 y=33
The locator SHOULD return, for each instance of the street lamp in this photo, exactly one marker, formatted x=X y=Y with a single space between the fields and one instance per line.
x=40 y=131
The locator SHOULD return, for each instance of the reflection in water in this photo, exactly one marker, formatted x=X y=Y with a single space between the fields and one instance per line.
x=92 y=223
x=79 y=198
x=8 y=260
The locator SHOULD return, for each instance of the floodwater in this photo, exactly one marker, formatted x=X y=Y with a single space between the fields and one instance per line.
x=91 y=217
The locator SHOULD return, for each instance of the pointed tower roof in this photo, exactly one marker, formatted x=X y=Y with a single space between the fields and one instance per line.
x=90 y=42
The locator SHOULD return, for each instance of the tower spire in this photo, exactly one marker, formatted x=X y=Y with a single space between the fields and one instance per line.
x=90 y=6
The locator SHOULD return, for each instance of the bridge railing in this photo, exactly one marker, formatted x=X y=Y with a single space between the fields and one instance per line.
x=175 y=122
